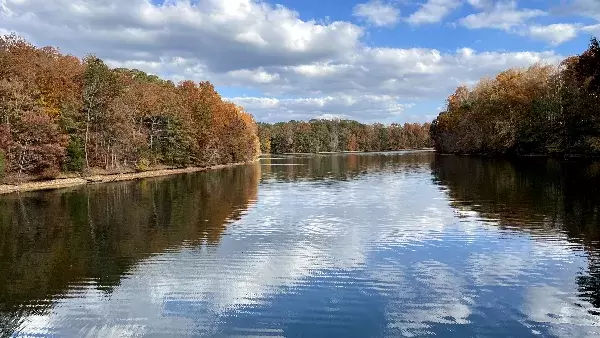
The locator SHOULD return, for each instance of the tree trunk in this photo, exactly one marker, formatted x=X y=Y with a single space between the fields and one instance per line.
x=87 y=132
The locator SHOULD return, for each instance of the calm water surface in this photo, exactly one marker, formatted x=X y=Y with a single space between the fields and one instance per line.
x=350 y=245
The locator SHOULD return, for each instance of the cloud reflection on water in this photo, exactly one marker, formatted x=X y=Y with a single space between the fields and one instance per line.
x=389 y=234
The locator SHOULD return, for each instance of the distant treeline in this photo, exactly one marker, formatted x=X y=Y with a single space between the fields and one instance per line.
x=340 y=135
x=60 y=113
x=540 y=110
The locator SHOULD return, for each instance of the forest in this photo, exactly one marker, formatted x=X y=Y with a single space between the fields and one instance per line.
x=340 y=135
x=59 y=114
x=542 y=110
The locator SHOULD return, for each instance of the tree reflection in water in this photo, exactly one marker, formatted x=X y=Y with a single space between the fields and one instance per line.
x=408 y=232
x=51 y=240
x=535 y=195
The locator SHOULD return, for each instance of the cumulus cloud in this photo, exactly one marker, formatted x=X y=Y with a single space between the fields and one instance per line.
x=500 y=15
x=294 y=68
x=376 y=107
x=409 y=73
x=433 y=11
x=481 y=3
x=554 y=34
x=593 y=29
x=588 y=8
x=224 y=35
x=380 y=84
x=506 y=15
x=377 y=13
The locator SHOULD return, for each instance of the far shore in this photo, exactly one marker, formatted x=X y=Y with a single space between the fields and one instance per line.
x=558 y=156
x=351 y=152
x=95 y=179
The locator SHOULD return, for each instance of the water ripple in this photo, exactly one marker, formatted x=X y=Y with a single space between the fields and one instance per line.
x=339 y=245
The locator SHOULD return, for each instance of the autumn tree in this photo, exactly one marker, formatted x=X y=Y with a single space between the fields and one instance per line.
x=342 y=135
x=58 y=112
x=539 y=110
x=100 y=87
x=264 y=134
x=38 y=146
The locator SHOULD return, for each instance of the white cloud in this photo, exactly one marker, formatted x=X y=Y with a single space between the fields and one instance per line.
x=592 y=29
x=554 y=34
x=380 y=84
x=500 y=15
x=588 y=8
x=506 y=15
x=377 y=13
x=224 y=35
x=377 y=107
x=481 y=3
x=333 y=117
x=433 y=11
x=258 y=76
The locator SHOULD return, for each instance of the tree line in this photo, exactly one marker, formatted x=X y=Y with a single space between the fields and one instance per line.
x=59 y=113
x=340 y=135
x=552 y=110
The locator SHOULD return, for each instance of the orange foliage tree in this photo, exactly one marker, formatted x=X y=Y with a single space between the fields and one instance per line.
x=539 y=110
x=58 y=112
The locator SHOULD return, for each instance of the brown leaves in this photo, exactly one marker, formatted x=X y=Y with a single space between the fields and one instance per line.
x=539 y=110
x=120 y=117
x=37 y=145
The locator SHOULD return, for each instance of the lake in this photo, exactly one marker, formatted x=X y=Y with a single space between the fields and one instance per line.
x=383 y=244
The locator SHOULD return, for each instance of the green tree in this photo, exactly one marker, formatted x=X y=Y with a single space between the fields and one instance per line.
x=2 y=165
x=342 y=135
x=75 y=160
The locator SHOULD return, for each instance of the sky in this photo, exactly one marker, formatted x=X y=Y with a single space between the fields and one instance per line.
x=389 y=61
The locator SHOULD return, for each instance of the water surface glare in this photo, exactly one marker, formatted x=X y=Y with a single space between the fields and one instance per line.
x=386 y=244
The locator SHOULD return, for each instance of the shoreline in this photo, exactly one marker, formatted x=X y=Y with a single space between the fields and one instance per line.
x=356 y=152
x=556 y=156
x=60 y=183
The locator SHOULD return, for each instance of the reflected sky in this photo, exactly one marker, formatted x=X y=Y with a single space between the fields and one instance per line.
x=348 y=245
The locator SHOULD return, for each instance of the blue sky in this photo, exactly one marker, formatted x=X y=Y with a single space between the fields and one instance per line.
x=446 y=34
x=370 y=60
